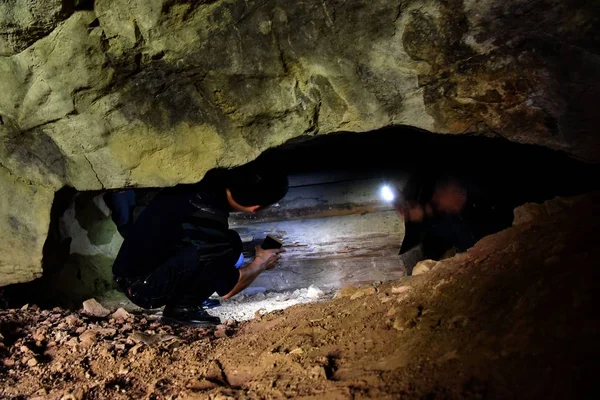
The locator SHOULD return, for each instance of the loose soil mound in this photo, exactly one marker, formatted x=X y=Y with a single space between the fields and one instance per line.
x=514 y=317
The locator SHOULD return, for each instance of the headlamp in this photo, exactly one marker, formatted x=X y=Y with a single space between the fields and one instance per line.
x=386 y=193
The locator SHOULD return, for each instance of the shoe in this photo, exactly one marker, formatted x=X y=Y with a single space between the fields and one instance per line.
x=189 y=315
x=210 y=303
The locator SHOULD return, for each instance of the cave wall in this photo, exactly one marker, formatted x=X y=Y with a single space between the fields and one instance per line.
x=113 y=93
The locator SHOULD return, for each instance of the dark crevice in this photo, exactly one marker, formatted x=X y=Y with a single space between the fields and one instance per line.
x=331 y=366
x=1 y=120
x=158 y=56
x=84 y=5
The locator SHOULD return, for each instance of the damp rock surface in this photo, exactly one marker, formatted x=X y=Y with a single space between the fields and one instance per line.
x=114 y=93
x=465 y=330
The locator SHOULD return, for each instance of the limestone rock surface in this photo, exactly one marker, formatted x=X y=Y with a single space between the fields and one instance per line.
x=24 y=221
x=112 y=93
x=22 y=22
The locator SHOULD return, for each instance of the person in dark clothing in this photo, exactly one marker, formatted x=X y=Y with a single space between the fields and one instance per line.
x=126 y=206
x=446 y=213
x=180 y=249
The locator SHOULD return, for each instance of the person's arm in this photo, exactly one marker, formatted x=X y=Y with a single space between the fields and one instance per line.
x=264 y=260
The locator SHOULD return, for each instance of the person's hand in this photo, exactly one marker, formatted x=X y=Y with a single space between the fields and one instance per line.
x=268 y=258
x=411 y=212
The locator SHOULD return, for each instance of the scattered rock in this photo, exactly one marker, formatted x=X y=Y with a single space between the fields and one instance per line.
x=151 y=339
x=318 y=371
x=32 y=362
x=72 y=320
x=314 y=292
x=41 y=394
x=95 y=309
x=121 y=314
x=363 y=292
x=423 y=267
x=398 y=324
x=39 y=336
x=136 y=348
x=385 y=299
x=401 y=289
x=345 y=292
x=201 y=384
x=221 y=331
x=214 y=372
x=107 y=332
x=230 y=322
x=297 y=351
x=60 y=336
x=77 y=394
x=88 y=337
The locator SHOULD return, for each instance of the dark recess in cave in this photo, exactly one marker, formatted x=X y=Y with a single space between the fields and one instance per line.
x=84 y=5
x=519 y=172
x=516 y=173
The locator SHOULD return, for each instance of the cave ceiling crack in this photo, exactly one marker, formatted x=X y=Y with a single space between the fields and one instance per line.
x=282 y=58
x=313 y=128
x=44 y=124
x=398 y=15
x=94 y=171
x=330 y=20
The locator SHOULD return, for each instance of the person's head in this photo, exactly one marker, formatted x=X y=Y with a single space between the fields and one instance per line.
x=253 y=187
x=449 y=197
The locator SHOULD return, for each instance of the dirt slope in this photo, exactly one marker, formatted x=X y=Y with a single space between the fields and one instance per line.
x=515 y=317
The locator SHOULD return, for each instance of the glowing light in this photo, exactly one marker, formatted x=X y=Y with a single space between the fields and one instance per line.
x=386 y=193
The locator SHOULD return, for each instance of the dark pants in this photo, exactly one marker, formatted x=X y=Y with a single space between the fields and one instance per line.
x=445 y=234
x=181 y=281
x=437 y=236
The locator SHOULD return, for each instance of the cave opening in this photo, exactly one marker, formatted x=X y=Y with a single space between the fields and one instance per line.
x=335 y=226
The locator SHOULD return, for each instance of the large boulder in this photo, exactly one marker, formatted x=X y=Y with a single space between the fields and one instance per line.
x=157 y=92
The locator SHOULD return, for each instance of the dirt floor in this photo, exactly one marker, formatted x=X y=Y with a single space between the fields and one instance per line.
x=514 y=317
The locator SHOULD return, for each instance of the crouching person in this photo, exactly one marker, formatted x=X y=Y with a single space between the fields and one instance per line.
x=180 y=250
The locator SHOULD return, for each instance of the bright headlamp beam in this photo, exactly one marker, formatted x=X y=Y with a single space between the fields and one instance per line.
x=386 y=193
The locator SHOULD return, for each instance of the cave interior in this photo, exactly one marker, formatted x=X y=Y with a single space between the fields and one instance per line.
x=336 y=228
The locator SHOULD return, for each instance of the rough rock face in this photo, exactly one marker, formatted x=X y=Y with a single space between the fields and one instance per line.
x=112 y=93
x=22 y=22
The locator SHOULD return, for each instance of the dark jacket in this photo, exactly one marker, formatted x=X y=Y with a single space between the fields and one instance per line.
x=178 y=217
